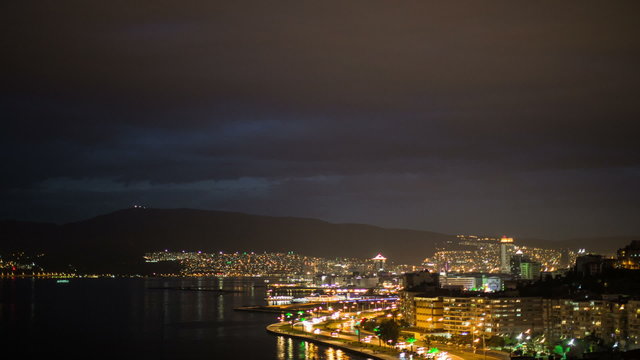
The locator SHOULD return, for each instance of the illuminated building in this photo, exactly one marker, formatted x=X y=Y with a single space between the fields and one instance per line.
x=472 y=282
x=461 y=282
x=514 y=315
x=530 y=270
x=523 y=268
x=633 y=324
x=414 y=284
x=506 y=249
x=629 y=256
x=514 y=263
x=379 y=262
x=605 y=319
x=429 y=313
x=463 y=315
x=478 y=315
x=492 y=283
x=612 y=320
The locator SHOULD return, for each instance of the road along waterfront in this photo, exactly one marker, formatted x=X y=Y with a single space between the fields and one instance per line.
x=280 y=329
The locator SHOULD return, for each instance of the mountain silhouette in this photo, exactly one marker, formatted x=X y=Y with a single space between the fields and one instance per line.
x=116 y=242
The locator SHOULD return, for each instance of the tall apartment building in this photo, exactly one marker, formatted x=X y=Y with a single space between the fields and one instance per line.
x=464 y=315
x=461 y=315
x=633 y=324
x=512 y=316
x=415 y=284
x=610 y=320
x=577 y=319
x=429 y=313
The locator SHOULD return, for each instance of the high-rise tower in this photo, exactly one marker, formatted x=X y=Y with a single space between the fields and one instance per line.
x=379 y=262
x=506 y=250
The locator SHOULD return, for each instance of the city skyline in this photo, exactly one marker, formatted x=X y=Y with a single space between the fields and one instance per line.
x=320 y=180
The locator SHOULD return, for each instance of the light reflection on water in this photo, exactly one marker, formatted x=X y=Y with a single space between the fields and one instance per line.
x=287 y=349
x=280 y=348
x=146 y=317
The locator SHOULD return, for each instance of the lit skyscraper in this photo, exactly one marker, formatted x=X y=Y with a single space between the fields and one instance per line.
x=506 y=249
x=379 y=262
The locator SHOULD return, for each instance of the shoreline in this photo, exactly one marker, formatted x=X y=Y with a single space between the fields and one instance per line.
x=274 y=329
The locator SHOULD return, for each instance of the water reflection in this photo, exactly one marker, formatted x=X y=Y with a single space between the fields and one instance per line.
x=280 y=348
x=152 y=318
x=290 y=349
x=220 y=316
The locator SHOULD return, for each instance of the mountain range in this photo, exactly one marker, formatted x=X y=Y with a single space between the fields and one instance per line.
x=115 y=242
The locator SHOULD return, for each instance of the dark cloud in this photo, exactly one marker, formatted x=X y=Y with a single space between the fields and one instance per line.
x=448 y=117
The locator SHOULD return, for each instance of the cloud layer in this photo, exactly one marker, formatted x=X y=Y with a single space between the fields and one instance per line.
x=458 y=117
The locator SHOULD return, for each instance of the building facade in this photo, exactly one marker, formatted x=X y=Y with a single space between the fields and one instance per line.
x=479 y=315
x=613 y=321
x=506 y=250
x=629 y=256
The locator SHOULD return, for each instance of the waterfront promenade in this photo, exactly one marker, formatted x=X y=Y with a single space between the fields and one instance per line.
x=280 y=329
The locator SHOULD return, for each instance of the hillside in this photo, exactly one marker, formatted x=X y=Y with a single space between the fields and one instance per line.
x=119 y=239
x=599 y=245
x=116 y=241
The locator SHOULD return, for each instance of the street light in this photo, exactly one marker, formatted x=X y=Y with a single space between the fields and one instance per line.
x=411 y=340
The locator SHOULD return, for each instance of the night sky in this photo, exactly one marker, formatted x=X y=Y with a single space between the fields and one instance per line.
x=515 y=118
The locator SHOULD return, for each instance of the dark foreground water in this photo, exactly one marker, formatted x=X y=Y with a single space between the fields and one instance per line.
x=125 y=318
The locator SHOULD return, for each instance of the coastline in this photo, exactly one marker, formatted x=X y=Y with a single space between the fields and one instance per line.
x=275 y=329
